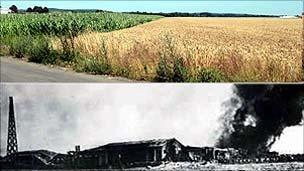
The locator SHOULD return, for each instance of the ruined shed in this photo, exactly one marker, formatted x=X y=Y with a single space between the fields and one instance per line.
x=132 y=153
x=195 y=153
x=36 y=159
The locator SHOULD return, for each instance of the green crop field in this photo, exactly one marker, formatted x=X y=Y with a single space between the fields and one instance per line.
x=33 y=35
x=178 y=49
x=65 y=23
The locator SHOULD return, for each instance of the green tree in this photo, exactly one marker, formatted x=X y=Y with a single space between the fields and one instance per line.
x=14 y=8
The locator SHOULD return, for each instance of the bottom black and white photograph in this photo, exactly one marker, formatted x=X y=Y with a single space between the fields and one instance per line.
x=152 y=126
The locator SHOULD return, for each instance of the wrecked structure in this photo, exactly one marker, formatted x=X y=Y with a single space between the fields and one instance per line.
x=129 y=154
x=136 y=154
x=116 y=156
x=113 y=155
x=36 y=159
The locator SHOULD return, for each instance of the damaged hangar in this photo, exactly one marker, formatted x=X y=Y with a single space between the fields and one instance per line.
x=114 y=156
x=129 y=154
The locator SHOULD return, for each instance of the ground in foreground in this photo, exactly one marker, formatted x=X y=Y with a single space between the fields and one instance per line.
x=232 y=167
x=15 y=70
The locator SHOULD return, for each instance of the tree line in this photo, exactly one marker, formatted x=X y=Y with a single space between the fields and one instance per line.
x=36 y=9
x=200 y=14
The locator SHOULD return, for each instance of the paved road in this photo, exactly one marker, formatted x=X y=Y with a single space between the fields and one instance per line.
x=14 y=70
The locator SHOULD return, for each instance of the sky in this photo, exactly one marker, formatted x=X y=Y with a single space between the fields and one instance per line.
x=278 y=7
x=59 y=116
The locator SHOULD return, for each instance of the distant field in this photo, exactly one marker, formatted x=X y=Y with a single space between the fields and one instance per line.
x=242 y=49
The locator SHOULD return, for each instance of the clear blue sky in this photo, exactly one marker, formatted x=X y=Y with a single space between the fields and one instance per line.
x=291 y=7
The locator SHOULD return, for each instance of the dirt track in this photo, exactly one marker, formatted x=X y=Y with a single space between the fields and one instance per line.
x=14 y=70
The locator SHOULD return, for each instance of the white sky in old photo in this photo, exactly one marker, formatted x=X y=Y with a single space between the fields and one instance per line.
x=59 y=116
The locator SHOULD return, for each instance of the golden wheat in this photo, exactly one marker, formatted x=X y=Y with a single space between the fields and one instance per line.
x=244 y=49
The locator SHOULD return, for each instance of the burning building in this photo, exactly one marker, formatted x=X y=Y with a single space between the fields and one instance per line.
x=257 y=115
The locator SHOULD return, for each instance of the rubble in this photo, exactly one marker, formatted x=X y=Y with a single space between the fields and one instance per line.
x=162 y=154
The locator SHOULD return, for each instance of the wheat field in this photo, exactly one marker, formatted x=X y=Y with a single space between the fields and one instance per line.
x=243 y=49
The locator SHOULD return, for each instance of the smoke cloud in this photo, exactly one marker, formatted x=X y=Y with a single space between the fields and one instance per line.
x=257 y=115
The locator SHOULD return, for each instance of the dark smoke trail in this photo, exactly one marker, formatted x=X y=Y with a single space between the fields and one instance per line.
x=258 y=114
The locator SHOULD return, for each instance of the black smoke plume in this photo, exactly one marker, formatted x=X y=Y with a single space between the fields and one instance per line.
x=257 y=115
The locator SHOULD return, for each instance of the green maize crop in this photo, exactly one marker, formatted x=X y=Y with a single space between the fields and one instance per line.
x=60 y=24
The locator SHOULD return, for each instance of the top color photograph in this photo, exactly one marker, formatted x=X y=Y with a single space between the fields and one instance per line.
x=151 y=41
